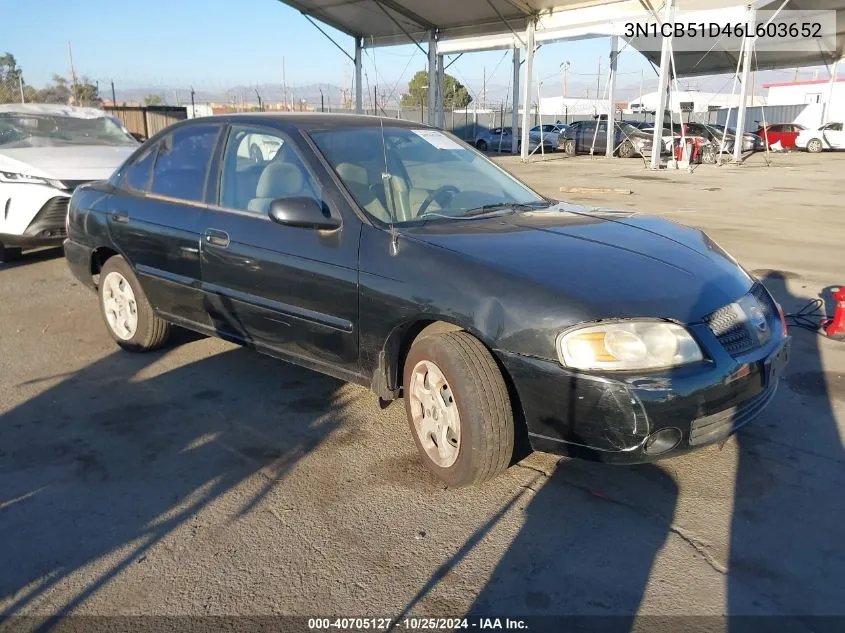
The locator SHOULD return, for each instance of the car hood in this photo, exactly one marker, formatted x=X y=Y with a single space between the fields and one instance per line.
x=602 y=263
x=77 y=162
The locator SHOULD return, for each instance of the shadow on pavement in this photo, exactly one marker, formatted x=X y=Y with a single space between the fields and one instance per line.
x=117 y=456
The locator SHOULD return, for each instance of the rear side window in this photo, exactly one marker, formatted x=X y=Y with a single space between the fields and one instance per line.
x=137 y=175
x=182 y=162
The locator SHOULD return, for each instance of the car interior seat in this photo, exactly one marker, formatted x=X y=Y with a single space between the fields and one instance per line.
x=357 y=180
x=277 y=180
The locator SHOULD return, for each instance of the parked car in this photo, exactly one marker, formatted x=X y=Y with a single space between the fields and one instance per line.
x=581 y=136
x=395 y=256
x=780 y=135
x=46 y=151
x=550 y=131
x=715 y=133
x=828 y=136
x=500 y=139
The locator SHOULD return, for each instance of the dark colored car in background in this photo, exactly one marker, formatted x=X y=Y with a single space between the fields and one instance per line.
x=395 y=256
x=582 y=136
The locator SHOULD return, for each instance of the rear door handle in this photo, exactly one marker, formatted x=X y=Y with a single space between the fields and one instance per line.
x=218 y=238
x=120 y=216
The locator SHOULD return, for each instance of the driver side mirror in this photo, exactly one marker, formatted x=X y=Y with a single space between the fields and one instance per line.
x=303 y=212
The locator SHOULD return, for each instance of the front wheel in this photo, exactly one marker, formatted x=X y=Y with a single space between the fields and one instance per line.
x=128 y=314
x=569 y=147
x=481 y=145
x=708 y=154
x=458 y=408
x=815 y=146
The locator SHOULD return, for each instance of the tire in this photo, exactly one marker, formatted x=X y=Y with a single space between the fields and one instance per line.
x=708 y=155
x=481 y=145
x=8 y=254
x=626 y=150
x=149 y=332
x=569 y=147
x=475 y=391
x=815 y=146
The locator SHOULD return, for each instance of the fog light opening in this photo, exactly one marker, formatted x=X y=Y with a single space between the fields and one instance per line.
x=662 y=441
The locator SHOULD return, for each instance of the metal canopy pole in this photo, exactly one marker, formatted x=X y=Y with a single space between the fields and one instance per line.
x=662 y=87
x=526 y=88
x=611 y=97
x=830 y=87
x=441 y=93
x=359 y=96
x=747 y=56
x=515 y=102
x=432 y=77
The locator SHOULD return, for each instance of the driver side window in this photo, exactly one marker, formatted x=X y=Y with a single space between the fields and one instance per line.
x=259 y=166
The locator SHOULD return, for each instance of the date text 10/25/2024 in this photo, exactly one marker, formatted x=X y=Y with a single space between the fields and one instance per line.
x=415 y=624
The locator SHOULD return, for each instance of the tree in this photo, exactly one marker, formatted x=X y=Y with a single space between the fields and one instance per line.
x=10 y=79
x=59 y=92
x=455 y=94
x=153 y=100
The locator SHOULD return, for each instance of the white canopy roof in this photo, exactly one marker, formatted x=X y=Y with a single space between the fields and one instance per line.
x=471 y=25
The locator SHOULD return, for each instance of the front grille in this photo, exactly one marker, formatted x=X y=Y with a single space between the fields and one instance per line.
x=720 y=425
x=49 y=222
x=732 y=328
x=731 y=331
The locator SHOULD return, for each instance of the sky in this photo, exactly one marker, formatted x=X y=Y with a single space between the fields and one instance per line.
x=216 y=44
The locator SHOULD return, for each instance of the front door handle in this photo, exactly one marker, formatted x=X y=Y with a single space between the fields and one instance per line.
x=120 y=216
x=218 y=238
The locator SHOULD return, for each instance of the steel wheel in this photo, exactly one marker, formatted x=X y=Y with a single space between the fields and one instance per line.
x=120 y=306
x=434 y=412
x=814 y=146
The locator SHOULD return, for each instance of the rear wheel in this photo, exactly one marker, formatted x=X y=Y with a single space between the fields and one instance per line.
x=129 y=316
x=458 y=408
x=626 y=150
x=482 y=145
x=569 y=147
x=708 y=154
x=10 y=254
x=815 y=146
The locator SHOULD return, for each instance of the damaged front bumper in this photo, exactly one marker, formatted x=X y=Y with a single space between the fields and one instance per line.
x=629 y=418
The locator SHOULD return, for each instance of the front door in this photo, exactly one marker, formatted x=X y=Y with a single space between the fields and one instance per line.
x=289 y=291
x=154 y=219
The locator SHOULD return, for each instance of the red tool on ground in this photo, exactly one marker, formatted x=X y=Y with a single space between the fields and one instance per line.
x=835 y=327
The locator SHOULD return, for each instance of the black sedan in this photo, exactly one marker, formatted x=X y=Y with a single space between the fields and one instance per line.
x=591 y=136
x=397 y=257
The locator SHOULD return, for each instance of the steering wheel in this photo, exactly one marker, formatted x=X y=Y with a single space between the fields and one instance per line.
x=434 y=195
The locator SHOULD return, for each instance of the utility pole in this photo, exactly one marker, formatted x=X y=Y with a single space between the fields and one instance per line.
x=72 y=70
x=484 y=88
x=258 y=96
x=193 y=107
x=565 y=66
x=642 y=81
x=375 y=100
x=598 y=81
x=114 y=98
x=20 y=84
x=322 y=101
x=284 y=86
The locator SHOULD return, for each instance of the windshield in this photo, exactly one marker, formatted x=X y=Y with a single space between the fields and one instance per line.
x=627 y=128
x=40 y=130
x=413 y=175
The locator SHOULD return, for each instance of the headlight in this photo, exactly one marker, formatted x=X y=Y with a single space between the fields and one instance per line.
x=6 y=176
x=628 y=345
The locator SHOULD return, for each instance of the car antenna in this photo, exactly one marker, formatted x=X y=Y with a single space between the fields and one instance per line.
x=388 y=194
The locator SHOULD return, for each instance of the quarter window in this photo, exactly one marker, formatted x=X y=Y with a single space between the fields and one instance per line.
x=137 y=175
x=182 y=162
x=261 y=166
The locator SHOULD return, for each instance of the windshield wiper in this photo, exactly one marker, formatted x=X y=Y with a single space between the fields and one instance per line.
x=500 y=206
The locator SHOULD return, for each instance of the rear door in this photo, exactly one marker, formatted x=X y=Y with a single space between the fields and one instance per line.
x=835 y=135
x=154 y=218
x=291 y=292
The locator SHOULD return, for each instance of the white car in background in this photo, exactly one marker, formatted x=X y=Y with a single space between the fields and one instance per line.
x=46 y=151
x=828 y=136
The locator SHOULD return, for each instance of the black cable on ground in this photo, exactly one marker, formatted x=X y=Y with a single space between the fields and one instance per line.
x=809 y=317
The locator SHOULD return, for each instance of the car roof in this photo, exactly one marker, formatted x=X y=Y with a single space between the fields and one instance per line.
x=312 y=120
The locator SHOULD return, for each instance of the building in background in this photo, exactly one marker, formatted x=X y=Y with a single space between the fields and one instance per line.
x=822 y=102
x=691 y=101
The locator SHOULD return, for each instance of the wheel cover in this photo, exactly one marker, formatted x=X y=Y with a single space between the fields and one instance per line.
x=119 y=306
x=815 y=145
x=434 y=414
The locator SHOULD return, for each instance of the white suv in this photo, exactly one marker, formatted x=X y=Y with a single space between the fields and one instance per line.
x=46 y=151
